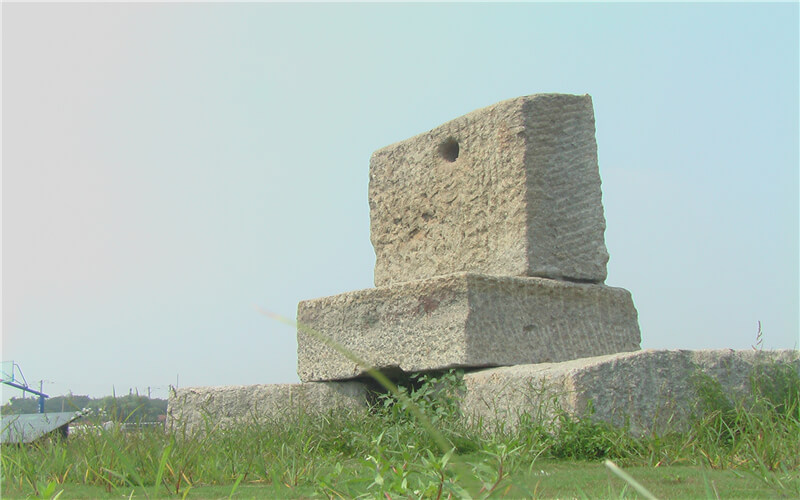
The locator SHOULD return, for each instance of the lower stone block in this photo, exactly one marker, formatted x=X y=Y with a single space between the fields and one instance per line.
x=650 y=390
x=463 y=320
x=200 y=409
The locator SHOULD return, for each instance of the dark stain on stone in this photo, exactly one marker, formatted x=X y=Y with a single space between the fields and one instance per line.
x=427 y=304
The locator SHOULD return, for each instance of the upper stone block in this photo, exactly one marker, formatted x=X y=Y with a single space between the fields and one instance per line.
x=512 y=190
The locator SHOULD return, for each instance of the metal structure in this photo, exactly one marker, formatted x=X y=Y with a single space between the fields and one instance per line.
x=8 y=374
x=28 y=428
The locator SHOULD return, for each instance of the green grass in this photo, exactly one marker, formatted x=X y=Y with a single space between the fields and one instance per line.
x=732 y=449
x=548 y=479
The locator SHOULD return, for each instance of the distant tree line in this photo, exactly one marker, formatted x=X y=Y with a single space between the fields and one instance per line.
x=130 y=408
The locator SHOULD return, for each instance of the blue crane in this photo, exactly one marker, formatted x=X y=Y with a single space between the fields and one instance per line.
x=9 y=378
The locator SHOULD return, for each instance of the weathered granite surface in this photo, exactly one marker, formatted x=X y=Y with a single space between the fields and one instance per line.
x=193 y=409
x=651 y=389
x=466 y=320
x=512 y=189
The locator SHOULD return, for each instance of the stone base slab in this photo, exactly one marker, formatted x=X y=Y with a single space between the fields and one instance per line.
x=651 y=389
x=463 y=320
x=200 y=409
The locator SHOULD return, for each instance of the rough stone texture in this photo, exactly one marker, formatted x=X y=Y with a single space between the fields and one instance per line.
x=522 y=197
x=198 y=409
x=653 y=389
x=464 y=319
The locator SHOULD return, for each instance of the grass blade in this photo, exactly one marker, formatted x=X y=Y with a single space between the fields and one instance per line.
x=628 y=479
x=162 y=464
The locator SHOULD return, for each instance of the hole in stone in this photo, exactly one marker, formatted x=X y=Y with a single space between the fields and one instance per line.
x=449 y=149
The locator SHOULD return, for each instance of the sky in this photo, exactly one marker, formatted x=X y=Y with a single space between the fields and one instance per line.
x=170 y=169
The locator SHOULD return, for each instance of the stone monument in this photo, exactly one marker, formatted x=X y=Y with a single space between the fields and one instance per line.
x=488 y=236
x=490 y=256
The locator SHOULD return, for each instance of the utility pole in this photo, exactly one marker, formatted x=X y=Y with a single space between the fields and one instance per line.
x=41 y=397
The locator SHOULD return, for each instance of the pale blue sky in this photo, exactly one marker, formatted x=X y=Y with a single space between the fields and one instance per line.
x=168 y=168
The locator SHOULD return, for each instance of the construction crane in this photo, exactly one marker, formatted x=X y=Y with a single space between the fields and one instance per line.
x=8 y=374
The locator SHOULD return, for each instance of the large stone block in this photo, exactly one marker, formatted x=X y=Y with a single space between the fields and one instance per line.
x=465 y=320
x=199 y=409
x=650 y=390
x=510 y=190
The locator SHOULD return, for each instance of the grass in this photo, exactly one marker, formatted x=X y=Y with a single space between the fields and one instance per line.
x=549 y=479
x=732 y=449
